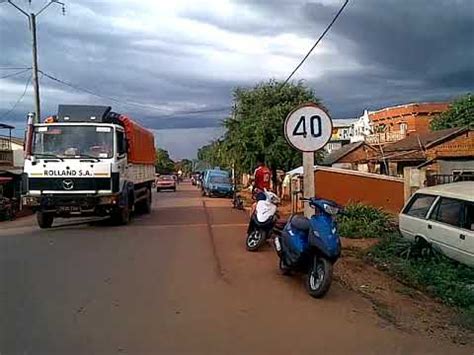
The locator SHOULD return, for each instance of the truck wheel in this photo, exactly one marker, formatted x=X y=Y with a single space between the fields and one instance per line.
x=122 y=216
x=45 y=220
x=145 y=205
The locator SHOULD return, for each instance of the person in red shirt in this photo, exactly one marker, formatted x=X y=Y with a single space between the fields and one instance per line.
x=262 y=177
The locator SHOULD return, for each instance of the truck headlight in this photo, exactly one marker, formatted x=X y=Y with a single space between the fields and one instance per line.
x=30 y=201
x=108 y=200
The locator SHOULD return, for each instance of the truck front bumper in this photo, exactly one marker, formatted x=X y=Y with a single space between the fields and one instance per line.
x=67 y=205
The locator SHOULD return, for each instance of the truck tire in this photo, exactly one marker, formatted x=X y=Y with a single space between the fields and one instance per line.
x=122 y=215
x=44 y=219
x=144 y=206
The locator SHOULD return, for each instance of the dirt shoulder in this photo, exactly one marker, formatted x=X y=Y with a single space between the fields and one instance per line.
x=398 y=305
x=406 y=308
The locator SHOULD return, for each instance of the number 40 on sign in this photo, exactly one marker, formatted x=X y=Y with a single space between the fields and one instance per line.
x=308 y=128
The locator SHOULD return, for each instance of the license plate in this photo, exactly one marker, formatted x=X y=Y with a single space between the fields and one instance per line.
x=70 y=209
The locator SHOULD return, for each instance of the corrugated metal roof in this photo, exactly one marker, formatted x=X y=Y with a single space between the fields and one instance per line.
x=340 y=153
x=421 y=141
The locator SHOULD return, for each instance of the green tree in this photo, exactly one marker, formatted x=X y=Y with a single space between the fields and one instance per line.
x=185 y=165
x=460 y=114
x=257 y=124
x=163 y=162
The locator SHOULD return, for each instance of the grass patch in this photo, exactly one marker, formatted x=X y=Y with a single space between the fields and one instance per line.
x=431 y=272
x=364 y=221
x=466 y=318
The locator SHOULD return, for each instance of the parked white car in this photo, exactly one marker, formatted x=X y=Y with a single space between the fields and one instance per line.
x=443 y=216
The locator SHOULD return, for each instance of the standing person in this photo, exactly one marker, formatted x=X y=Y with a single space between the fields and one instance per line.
x=280 y=175
x=262 y=176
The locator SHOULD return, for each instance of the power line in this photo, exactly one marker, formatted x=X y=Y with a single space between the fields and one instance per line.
x=14 y=68
x=19 y=99
x=130 y=103
x=14 y=74
x=317 y=42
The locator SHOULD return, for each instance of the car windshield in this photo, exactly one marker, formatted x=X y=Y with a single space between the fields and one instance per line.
x=73 y=141
x=220 y=180
x=166 y=177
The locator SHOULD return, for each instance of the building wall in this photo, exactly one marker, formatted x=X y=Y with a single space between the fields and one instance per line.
x=416 y=116
x=361 y=128
x=18 y=155
x=448 y=166
x=345 y=186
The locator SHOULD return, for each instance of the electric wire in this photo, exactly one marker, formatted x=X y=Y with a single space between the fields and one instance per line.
x=17 y=101
x=317 y=42
x=130 y=103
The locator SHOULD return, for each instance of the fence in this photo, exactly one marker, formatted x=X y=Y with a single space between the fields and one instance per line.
x=439 y=179
x=346 y=186
x=6 y=157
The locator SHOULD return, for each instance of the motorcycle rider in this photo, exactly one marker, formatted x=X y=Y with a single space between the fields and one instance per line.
x=262 y=177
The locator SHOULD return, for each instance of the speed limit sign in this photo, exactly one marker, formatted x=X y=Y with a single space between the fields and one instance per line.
x=308 y=128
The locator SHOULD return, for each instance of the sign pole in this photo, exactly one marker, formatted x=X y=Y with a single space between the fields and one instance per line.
x=308 y=181
x=308 y=128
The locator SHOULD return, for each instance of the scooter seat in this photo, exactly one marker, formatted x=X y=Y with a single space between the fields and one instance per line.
x=300 y=222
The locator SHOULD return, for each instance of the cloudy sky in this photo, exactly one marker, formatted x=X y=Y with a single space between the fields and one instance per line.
x=157 y=60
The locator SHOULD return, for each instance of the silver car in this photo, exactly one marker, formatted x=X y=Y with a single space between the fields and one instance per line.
x=443 y=216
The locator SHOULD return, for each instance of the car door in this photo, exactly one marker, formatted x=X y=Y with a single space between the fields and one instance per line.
x=468 y=232
x=447 y=224
x=412 y=219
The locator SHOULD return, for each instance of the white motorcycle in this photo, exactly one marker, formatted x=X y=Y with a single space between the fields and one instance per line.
x=263 y=220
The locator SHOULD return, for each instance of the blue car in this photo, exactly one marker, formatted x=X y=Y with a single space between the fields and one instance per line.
x=217 y=183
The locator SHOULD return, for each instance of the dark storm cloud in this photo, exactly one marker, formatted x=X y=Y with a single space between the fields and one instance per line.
x=404 y=51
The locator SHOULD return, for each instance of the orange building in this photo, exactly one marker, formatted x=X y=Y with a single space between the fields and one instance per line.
x=394 y=123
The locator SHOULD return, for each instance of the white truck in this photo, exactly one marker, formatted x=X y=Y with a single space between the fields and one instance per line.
x=88 y=161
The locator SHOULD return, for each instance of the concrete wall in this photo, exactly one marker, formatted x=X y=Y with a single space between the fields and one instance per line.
x=345 y=186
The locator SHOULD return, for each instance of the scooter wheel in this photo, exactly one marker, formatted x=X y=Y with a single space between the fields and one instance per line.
x=284 y=269
x=255 y=239
x=319 y=277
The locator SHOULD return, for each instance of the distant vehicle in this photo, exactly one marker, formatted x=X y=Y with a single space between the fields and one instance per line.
x=165 y=182
x=88 y=161
x=443 y=217
x=194 y=179
x=217 y=183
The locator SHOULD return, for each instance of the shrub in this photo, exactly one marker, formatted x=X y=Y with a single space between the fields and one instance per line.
x=364 y=221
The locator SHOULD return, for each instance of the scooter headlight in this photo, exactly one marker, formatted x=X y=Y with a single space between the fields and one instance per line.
x=330 y=209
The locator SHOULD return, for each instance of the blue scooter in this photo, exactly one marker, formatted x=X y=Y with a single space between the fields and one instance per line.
x=311 y=245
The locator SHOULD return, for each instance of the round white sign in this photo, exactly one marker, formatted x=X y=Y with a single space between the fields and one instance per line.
x=308 y=128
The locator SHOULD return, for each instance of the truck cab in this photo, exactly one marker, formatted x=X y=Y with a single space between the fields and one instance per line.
x=88 y=161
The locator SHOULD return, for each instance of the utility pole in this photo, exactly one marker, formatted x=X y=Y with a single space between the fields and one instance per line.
x=32 y=24
x=35 y=68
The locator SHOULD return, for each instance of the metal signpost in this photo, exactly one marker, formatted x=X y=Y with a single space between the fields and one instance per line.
x=308 y=128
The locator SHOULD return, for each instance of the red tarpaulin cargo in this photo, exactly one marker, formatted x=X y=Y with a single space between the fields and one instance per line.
x=141 y=149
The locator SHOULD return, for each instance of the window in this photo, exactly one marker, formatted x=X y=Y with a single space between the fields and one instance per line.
x=448 y=211
x=468 y=221
x=419 y=205
x=121 y=148
x=73 y=141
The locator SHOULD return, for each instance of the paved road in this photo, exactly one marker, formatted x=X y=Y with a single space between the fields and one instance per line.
x=178 y=281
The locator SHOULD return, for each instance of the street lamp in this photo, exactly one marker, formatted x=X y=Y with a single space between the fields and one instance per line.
x=32 y=24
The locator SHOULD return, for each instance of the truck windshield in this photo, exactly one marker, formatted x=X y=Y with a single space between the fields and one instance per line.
x=73 y=141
